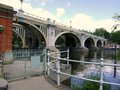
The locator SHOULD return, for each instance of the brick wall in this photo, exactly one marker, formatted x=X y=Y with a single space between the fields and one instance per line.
x=6 y=18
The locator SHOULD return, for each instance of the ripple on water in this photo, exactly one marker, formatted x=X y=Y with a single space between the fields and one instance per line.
x=109 y=74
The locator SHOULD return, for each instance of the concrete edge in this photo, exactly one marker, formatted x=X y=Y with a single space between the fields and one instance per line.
x=61 y=87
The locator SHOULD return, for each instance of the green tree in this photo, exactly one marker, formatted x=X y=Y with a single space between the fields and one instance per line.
x=117 y=17
x=115 y=37
x=115 y=34
x=102 y=32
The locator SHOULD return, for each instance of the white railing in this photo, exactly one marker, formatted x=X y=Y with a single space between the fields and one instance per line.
x=57 y=60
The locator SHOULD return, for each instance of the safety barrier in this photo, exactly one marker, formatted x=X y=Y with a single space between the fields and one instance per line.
x=56 y=55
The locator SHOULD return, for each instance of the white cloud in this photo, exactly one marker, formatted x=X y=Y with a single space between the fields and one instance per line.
x=14 y=3
x=60 y=12
x=27 y=7
x=86 y=22
x=80 y=21
x=107 y=24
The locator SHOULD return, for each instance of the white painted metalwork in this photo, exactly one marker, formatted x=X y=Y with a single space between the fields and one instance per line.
x=58 y=59
x=68 y=56
x=48 y=63
x=58 y=68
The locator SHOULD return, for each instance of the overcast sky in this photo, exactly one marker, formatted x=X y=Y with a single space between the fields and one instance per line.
x=83 y=14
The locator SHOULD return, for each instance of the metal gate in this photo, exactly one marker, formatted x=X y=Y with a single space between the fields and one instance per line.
x=22 y=63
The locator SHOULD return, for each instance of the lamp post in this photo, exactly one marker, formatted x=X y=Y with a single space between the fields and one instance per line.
x=117 y=19
x=21 y=3
x=115 y=47
x=70 y=24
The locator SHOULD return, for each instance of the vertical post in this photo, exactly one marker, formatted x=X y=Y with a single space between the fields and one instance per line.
x=67 y=57
x=45 y=60
x=2 y=66
x=25 y=70
x=23 y=32
x=58 y=68
x=101 y=75
x=21 y=3
x=115 y=62
x=48 y=63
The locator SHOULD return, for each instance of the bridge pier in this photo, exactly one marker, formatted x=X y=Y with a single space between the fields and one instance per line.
x=75 y=52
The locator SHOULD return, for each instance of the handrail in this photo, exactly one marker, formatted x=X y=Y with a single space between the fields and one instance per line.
x=57 y=70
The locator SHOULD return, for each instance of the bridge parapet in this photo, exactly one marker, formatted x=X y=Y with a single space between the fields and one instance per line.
x=52 y=30
x=31 y=18
x=37 y=19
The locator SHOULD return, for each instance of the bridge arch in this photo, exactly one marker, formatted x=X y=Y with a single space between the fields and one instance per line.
x=89 y=43
x=17 y=43
x=67 y=39
x=99 y=43
x=33 y=36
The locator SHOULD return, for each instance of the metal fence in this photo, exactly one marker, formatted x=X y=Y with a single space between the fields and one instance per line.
x=58 y=59
x=22 y=63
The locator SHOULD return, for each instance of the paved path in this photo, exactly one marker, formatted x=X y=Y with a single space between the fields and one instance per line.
x=34 y=83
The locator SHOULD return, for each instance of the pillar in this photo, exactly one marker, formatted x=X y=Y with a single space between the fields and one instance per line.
x=50 y=35
x=82 y=39
x=102 y=43
x=82 y=43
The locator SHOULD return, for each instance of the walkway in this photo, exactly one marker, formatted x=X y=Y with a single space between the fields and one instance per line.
x=34 y=83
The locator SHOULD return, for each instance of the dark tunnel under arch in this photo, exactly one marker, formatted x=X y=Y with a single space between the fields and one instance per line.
x=89 y=43
x=67 y=40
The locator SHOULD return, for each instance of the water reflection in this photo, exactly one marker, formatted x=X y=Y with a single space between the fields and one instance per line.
x=81 y=69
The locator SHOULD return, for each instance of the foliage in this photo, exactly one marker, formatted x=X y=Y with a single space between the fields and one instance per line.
x=102 y=32
x=115 y=37
x=117 y=17
x=88 y=85
x=118 y=54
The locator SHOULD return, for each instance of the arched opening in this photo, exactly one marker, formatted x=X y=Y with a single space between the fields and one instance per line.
x=89 y=43
x=33 y=37
x=16 y=41
x=104 y=43
x=67 y=40
x=99 y=44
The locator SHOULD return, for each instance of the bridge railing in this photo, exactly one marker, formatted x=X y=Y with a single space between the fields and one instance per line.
x=58 y=59
x=67 y=27
x=26 y=53
x=35 y=16
x=30 y=15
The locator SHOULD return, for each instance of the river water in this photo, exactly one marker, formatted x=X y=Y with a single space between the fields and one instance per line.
x=111 y=74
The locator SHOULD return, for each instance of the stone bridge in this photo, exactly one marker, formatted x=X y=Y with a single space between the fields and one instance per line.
x=35 y=32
